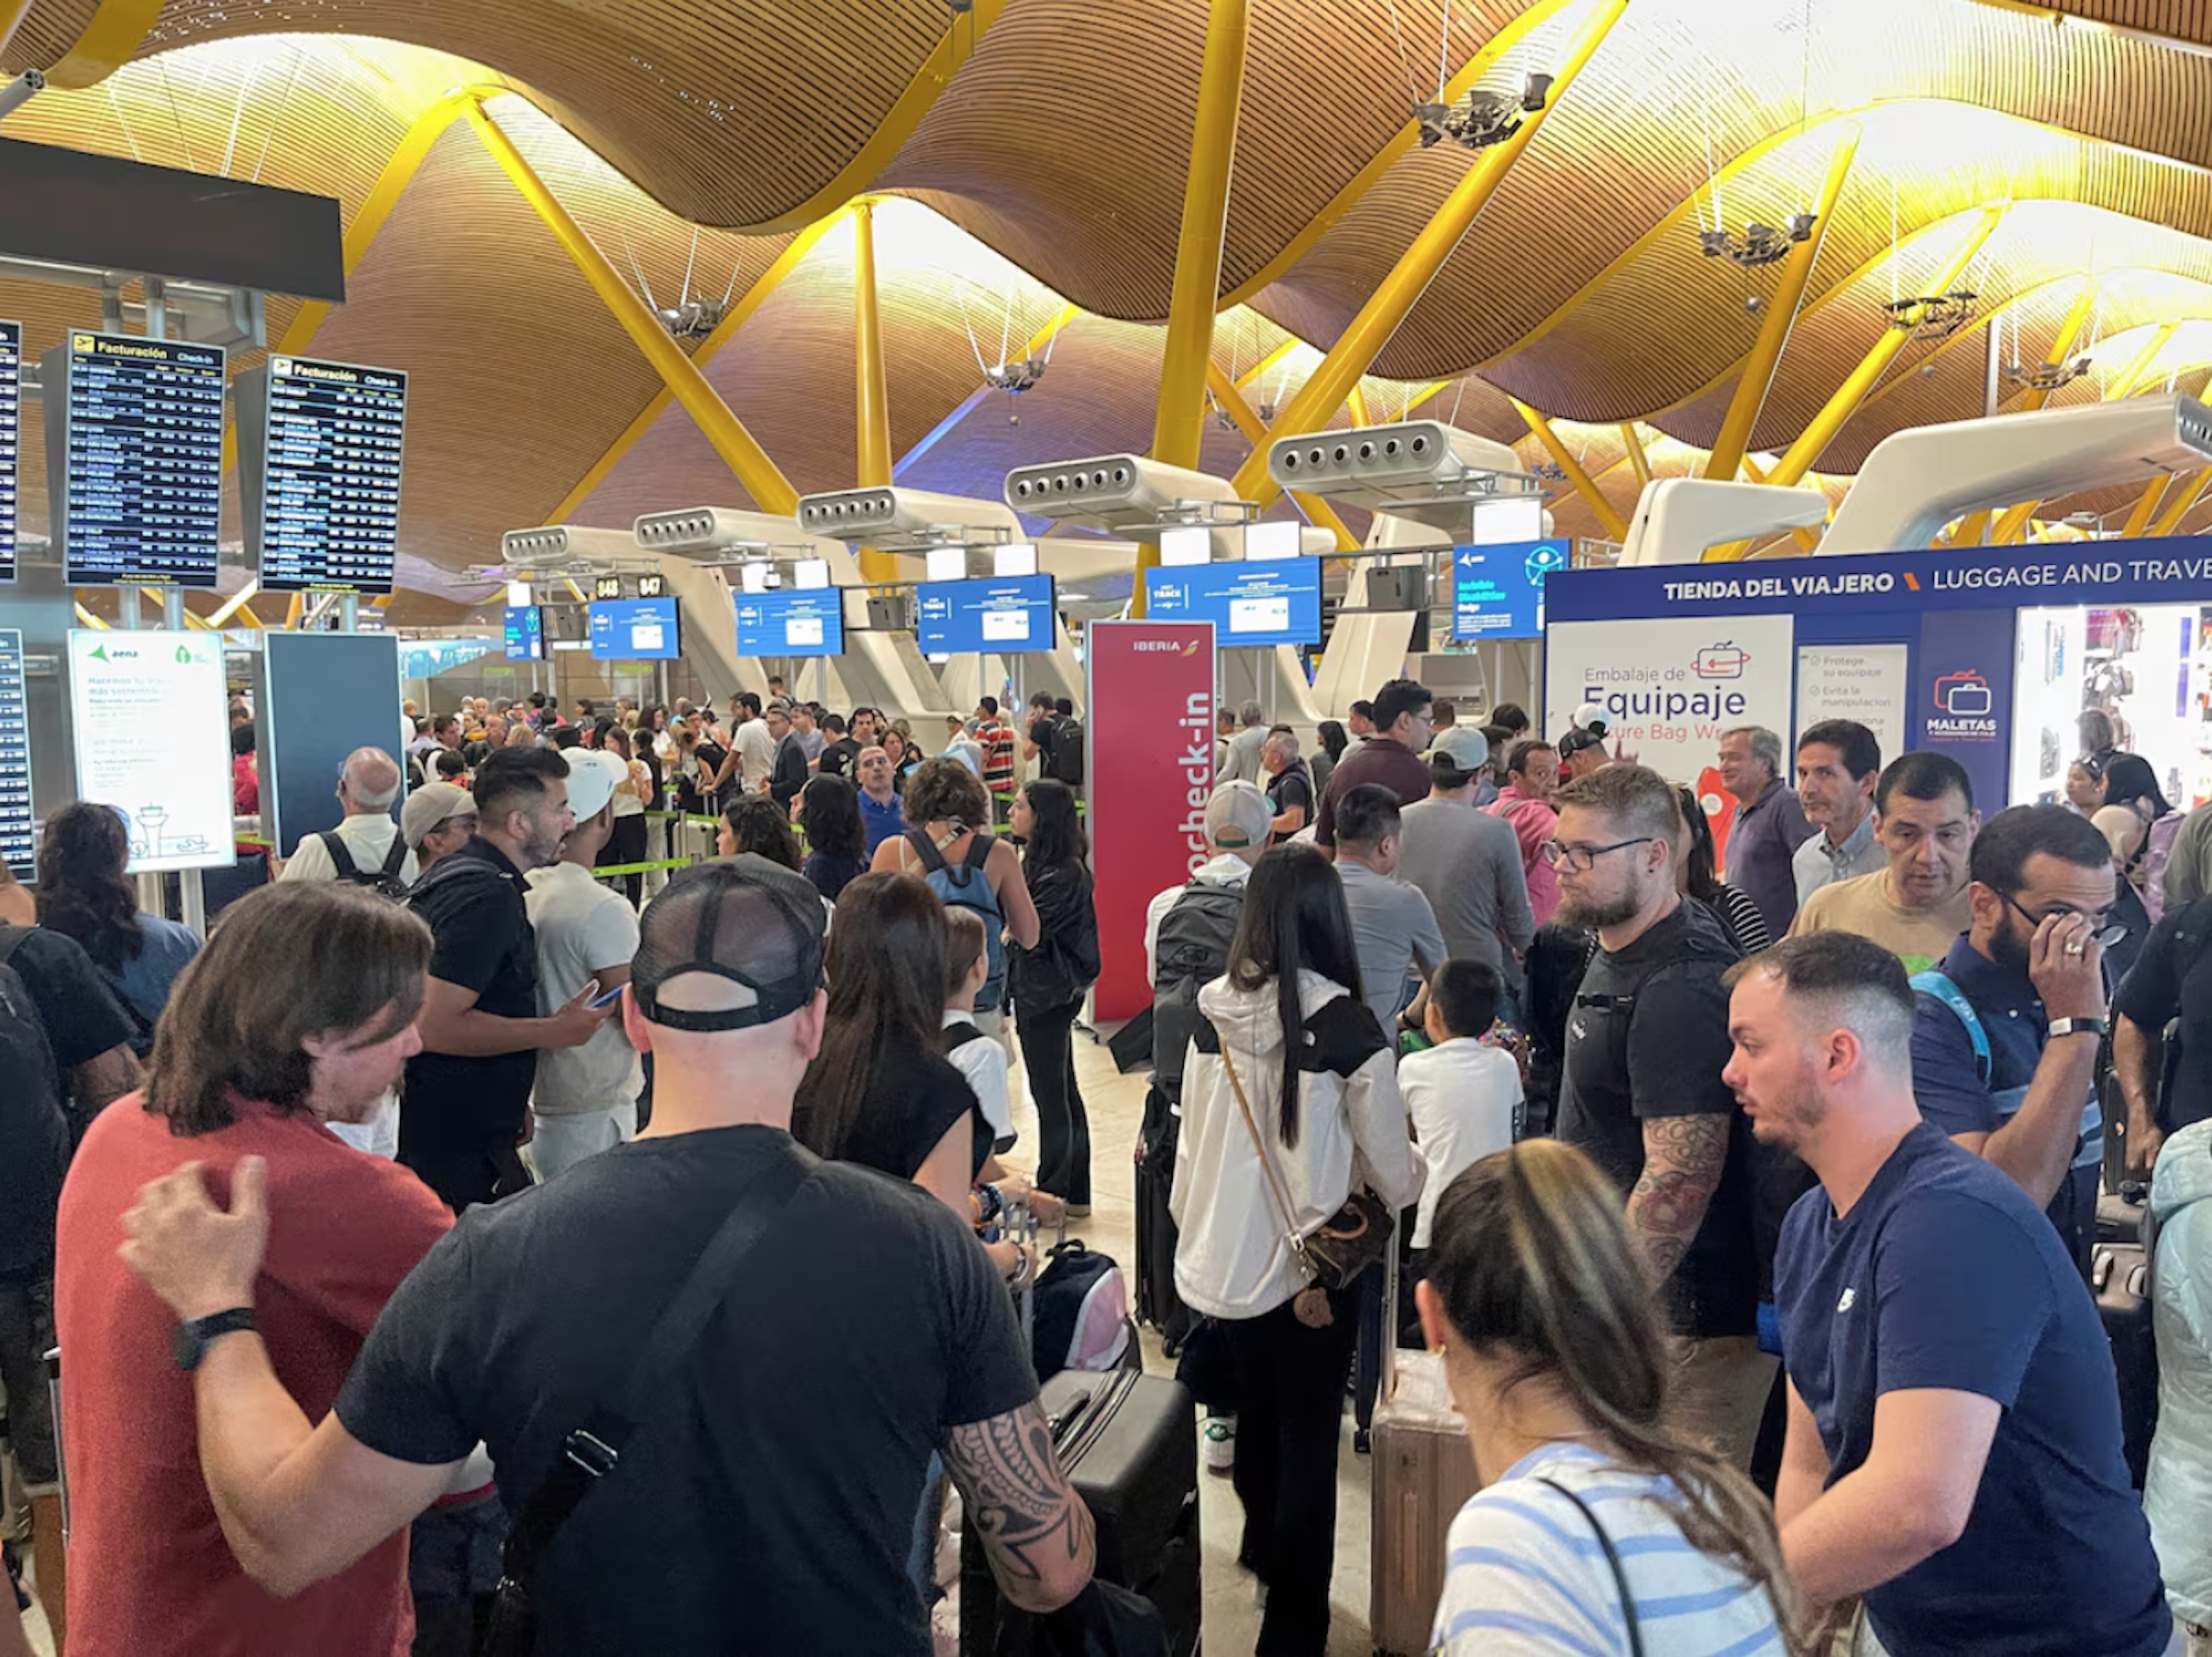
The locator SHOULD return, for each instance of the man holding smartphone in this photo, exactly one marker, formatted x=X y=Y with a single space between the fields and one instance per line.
x=585 y=1099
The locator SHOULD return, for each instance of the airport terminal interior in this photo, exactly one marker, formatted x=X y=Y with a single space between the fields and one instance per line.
x=1654 y=371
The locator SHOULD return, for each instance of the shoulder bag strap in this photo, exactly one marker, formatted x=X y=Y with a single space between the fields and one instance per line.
x=1612 y=1558
x=396 y=857
x=1282 y=1197
x=340 y=853
x=592 y=1451
x=1939 y=983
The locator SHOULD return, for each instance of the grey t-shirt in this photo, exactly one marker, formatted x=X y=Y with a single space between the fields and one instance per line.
x=1241 y=762
x=1467 y=864
x=1394 y=928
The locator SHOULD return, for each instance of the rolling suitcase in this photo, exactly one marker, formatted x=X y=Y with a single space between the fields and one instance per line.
x=2120 y=1274
x=1158 y=1303
x=1424 y=1474
x=1129 y=1444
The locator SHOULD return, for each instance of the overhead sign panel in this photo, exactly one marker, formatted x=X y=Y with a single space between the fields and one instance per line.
x=15 y=815
x=152 y=736
x=134 y=431
x=791 y=623
x=635 y=630
x=1008 y=615
x=1276 y=601
x=1497 y=589
x=11 y=440
x=320 y=446
x=525 y=634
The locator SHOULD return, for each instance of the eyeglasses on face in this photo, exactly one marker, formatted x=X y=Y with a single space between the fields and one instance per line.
x=2108 y=931
x=1581 y=859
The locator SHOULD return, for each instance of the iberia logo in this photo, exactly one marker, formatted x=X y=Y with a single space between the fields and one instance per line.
x=1964 y=694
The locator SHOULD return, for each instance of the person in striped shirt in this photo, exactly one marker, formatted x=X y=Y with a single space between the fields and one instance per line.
x=1601 y=1531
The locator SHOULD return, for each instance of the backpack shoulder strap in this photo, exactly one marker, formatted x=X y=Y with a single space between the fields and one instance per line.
x=1938 y=984
x=932 y=860
x=979 y=851
x=397 y=857
x=955 y=1036
x=341 y=855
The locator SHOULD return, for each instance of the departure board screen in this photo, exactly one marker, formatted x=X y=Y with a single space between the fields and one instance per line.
x=138 y=476
x=11 y=440
x=320 y=445
x=16 y=819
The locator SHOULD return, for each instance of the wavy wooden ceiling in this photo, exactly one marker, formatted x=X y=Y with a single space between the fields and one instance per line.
x=1050 y=170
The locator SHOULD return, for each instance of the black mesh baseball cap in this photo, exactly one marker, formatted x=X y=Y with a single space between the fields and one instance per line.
x=746 y=921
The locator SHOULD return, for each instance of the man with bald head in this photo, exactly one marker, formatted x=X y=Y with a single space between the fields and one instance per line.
x=368 y=788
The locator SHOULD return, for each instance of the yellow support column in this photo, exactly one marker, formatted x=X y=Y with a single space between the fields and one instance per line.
x=1584 y=485
x=1318 y=511
x=2179 y=506
x=1781 y=315
x=1356 y=348
x=873 y=389
x=1631 y=441
x=1791 y=469
x=2139 y=520
x=1355 y=404
x=748 y=461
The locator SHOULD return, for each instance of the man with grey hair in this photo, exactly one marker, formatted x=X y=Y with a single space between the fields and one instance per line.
x=1289 y=784
x=1950 y=1384
x=1243 y=763
x=1768 y=826
x=365 y=837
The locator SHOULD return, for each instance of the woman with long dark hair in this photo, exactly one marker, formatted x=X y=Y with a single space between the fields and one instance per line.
x=829 y=809
x=879 y=1093
x=754 y=822
x=1289 y=1085
x=1695 y=878
x=84 y=894
x=627 y=835
x=2132 y=802
x=1047 y=980
x=1560 y=1366
x=1334 y=740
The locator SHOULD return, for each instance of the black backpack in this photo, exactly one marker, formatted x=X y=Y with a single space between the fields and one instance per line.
x=383 y=881
x=34 y=1128
x=1065 y=762
x=1191 y=951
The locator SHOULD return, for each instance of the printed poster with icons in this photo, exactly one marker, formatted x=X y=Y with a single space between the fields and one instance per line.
x=1671 y=685
x=152 y=739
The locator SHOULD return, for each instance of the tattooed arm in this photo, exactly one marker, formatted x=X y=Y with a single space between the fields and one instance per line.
x=1034 y=1528
x=1683 y=1157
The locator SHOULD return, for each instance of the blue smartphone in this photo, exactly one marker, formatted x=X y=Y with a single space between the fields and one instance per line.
x=613 y=995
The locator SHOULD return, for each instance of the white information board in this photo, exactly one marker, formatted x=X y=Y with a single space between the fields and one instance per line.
x=1865 y=682
x=152 y=735
x=1671 y=685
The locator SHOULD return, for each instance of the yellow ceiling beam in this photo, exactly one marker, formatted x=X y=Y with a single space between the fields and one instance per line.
x=1564 y=457
x=1634 y=455
x=85 y=618
x=1363 y=337
x=2061 y=344
x=1791 y=469
x=2140 y=519
x=238 y=601
x=871 y=399
x=1179 y=424
x=117 y=29
x=1781 y=316
x=296 y=610
x=2010 y=527
x=1318 y=511
x=2178 y=508
x=748 y=461
x=736 y=318
x=1355 y=406
x=1245 y=380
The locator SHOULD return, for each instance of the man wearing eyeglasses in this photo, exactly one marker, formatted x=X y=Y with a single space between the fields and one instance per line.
x=1646 y=1042
x=2004 y=1043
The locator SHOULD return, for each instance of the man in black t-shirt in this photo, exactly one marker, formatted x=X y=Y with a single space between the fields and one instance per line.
x=1646 y=1043
x=465 y=1109
x=1289 y=788
x=1036 y=742
x=767 y=1501
x=2171 y=978
x=841 y=753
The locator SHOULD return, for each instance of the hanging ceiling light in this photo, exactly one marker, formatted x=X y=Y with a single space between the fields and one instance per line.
x=2047 y=376
x=693 y=319
x=1759 y=244
x=1016 y=376
x=1940 y=315
x=1551 y=472
x=1482 y=119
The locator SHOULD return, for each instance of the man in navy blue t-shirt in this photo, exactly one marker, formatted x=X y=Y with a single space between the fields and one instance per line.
x=1954 y=1456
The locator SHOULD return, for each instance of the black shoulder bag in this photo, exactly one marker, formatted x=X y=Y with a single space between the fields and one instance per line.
x=594 y=1449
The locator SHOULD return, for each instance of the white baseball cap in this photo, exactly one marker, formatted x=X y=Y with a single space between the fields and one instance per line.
x=1237 y=816
x=593 y=776
x=1591 y=717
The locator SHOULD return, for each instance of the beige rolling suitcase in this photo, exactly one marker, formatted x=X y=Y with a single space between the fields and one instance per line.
x=1423 y=1472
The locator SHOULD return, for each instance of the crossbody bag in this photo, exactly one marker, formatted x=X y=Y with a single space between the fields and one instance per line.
x=1612 y=1557
x=591 y=1451
x=1337 y=1250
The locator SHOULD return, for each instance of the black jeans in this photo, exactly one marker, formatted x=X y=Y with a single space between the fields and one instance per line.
x=1047 y=1038
x=1290 y=1399
x=27 y=1334
x=626 y=844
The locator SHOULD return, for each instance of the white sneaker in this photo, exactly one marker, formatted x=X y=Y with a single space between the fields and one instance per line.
x=1217 y=1449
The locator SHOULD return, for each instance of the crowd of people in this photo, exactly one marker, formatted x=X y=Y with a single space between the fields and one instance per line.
x=1717 y=1143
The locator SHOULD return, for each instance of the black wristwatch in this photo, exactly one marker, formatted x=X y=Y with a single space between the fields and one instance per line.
x=2096 y=1027
x=190 y=1342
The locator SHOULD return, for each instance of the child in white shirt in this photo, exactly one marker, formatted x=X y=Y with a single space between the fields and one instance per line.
x=1461 y=1095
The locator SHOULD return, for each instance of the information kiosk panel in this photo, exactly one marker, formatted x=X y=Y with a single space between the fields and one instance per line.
x=639 y=630
x=1276 y=601
x=1498 y=590
x=320 y=446
x=11 y=447
x=791 y=623
x=16 y=814
x=152 y=737
x=525 y=634
x=1008 y=615
x=136 y=471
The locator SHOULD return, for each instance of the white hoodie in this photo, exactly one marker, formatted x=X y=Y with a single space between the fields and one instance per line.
x=2177 y=1496
x=1234 y=1259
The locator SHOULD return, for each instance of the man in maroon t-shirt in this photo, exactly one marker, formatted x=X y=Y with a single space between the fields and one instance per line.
x=1391 y=757
x=300 y=1012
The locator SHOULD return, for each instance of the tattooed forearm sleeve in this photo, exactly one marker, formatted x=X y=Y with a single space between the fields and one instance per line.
x=1683 y=1157
x=1034 y=1527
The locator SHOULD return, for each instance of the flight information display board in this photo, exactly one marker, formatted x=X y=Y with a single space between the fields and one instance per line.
x=810 y=622
x=11 y=440
x=319 y=446
x=16 y=841
x=136 y=471
x=1497 y=589
x=525 y=634
x=1008 y=615
x=174 y=794
x=1275 y=601
x=635 y=630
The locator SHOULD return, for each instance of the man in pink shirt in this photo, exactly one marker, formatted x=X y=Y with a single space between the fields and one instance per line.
x=1532 y=775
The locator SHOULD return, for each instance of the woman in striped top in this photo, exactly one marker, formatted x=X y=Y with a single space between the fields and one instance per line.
x=1601 y=1531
